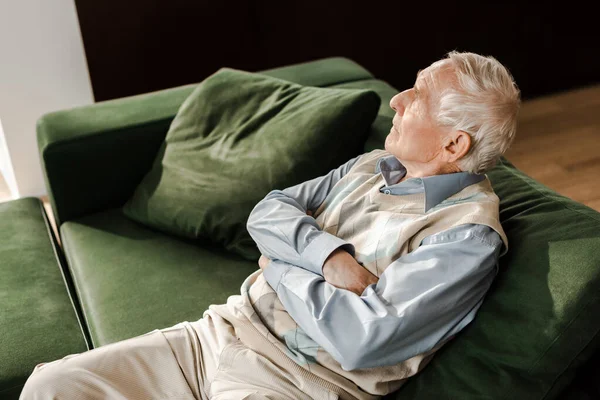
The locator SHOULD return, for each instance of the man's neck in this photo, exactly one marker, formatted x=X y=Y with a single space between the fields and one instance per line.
x=424 y=170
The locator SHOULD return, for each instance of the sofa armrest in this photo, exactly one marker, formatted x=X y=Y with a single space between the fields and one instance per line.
x=93 y=157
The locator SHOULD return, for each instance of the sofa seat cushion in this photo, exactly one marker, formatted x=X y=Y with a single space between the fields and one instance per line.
x=131 y=279
x=37 y=320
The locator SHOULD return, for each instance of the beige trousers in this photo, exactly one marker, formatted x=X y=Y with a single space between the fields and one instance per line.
x=198 y=360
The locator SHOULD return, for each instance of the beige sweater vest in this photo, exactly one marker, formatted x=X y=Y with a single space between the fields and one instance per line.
x=382 y=228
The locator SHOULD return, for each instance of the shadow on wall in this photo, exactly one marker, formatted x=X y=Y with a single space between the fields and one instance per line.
x=5 y=194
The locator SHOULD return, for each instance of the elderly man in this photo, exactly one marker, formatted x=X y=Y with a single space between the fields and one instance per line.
x=366 y=272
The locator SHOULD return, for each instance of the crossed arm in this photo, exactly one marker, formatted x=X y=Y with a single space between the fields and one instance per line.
x=340 y=270
x=421 y=298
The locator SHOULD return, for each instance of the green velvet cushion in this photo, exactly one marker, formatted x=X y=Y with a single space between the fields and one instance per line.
x=539 y=321
x=132 y=279
x=238 y=136
x=37 y=320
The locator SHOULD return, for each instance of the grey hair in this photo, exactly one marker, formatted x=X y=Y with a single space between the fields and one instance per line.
x=484 y=102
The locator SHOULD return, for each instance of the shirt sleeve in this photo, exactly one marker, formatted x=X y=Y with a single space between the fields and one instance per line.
x=421 y=299
x=282 y=230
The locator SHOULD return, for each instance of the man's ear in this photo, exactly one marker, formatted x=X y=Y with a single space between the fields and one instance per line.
x=457 y=146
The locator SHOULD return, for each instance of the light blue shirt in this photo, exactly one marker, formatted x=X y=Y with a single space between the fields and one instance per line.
x=421 y=299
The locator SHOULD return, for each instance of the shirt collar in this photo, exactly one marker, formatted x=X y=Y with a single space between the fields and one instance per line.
x=437 y=188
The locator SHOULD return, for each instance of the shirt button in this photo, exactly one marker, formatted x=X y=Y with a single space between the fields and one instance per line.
x=387 y=192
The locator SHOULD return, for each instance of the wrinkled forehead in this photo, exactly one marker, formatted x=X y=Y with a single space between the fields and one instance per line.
x=438 y=75
x=436 y=78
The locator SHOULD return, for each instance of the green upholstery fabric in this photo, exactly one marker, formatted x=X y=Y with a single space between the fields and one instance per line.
x=129 y=133
x=586 y=385
x=238 y=136
x=132 y=279
x=383 y=122
x=323 y=73
x=37 y=320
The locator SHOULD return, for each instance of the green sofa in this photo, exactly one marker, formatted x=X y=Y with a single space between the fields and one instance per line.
x=117 y=279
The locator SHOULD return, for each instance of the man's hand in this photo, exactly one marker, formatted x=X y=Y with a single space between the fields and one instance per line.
x=263 y=262
x=343 y=271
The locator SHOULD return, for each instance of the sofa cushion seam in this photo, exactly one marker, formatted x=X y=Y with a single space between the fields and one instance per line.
x=62 y=272
x=77 y=291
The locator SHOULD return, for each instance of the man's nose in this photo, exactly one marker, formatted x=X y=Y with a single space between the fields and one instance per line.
x=397 y=103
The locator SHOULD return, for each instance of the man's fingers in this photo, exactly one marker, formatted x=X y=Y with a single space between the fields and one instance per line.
x=263 y=261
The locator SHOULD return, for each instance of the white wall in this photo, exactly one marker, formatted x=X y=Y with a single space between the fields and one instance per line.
x=6 y=169
x=42 y=69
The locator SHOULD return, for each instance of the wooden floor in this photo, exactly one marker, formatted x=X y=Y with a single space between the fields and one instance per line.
x=557 y=143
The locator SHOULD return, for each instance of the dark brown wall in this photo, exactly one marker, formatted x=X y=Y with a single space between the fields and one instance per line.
x=137 y=46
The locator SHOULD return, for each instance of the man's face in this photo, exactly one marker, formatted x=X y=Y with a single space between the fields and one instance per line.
x=415 y=137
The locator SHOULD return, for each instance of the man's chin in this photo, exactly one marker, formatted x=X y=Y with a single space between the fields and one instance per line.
x=386 y=145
